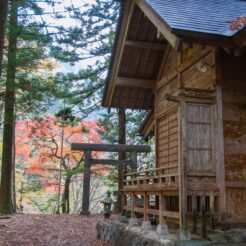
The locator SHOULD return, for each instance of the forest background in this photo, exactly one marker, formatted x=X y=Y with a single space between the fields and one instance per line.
x=53 y=71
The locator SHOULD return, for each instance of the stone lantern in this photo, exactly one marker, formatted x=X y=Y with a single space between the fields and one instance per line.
x=107 y=205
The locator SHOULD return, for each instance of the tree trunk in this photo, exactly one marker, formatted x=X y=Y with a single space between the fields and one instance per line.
x=13 y=174
x=122 y=156
x=65 y=197
x=8 y=129
x=3 y=17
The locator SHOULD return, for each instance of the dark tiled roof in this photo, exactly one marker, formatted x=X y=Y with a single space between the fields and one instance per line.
x=203 y=16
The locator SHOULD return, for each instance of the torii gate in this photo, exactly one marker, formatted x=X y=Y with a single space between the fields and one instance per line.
x=88 y=148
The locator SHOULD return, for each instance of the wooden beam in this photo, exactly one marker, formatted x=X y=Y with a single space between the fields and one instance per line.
x=86 y=184
x=145 y=45
x=111 y=162
x=159 y=24
x=120 y=47
x=111 y=147
x=239 y=185
x=148 y=125
x=132 y=82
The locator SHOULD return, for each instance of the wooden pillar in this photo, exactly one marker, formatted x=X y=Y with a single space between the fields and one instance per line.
x=182 y=168
x=146 y=206
x=86 y=184
x=122 y=156
x=182 y=152
x=133 y=203
x=134 y=161
x=194 y=213
x=219 y=136
x=219 y=143
x=211 y=207
x=162 y=207
x=202 y=200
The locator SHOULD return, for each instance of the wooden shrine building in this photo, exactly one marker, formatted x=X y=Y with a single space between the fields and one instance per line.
x=181 y=61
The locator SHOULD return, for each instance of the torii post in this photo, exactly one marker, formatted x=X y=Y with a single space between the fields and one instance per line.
x=88 y=148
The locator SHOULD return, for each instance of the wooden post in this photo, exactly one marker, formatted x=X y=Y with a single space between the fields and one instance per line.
x=204 y=226
x=182 y=152
x=182 y=168
x=133 y=203
x=146 y=206
x=194 y=214
x=162 y=207
x=219 y=143
x=219 y=136
x=194 y=221
x=211 y=201
x=122 y=156
x=134 y=161
x=86 y=184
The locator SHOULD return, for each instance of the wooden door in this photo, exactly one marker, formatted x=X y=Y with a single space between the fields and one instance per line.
x=199 y=138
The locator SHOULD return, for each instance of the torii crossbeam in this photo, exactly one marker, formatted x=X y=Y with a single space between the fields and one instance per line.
x=88 y=148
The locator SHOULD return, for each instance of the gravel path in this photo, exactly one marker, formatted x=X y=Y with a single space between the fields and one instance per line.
x=49 y=230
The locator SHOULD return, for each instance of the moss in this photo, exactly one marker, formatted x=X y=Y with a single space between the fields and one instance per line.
x=6 y=209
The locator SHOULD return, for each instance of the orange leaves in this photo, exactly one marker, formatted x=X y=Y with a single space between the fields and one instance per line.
x=42 y=145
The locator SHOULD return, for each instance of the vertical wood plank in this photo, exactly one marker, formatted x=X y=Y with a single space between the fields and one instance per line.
x=86 y=184
x=219 y=143
x=182 y=156
x=182 y=168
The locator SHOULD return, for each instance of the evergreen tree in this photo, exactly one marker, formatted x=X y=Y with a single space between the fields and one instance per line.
x=3 y=17
x=26 y=88
x=91 y=41
x=8 y=129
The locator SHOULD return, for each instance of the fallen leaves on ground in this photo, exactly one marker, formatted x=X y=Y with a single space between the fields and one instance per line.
x=49 y=230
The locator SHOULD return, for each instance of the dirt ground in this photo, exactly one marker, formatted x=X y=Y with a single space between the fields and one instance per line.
x=49 y=230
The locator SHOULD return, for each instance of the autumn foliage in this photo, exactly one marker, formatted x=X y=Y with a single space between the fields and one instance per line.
x=238 y=23
x=39 y=148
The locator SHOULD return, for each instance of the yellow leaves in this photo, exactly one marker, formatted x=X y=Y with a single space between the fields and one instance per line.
x=46 y=64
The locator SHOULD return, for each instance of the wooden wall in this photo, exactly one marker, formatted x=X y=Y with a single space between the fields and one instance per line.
x=184 y=122
x=190 y=75
x=233 y=81
x=179 y=71
x=167 y=137
x=166 y=113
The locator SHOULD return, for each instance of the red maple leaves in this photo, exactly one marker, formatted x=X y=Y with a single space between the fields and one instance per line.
x=238 y=23
x=40 y=150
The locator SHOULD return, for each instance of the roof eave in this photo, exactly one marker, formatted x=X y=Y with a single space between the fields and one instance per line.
x=112 y=58
x=122 y=29
x=209 y=38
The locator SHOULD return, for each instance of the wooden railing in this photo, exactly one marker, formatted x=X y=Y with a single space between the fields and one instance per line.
x=163 y=184
x=158 y=177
